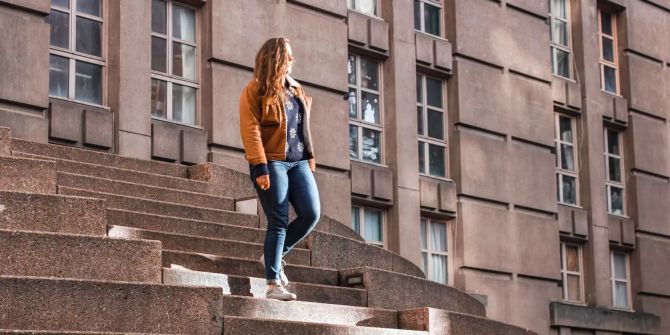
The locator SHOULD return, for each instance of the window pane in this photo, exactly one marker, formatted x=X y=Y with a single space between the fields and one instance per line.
x=439 y=268
x=614 y=169
x=567 y=157
x=572 y=257
x=432 y=17
x=559 y=32
x=91 y=7
x=565 y=127
x=561 y=62
x=61 y=3
x=438 y=236
x=436 y=160
x=419 y=119
x=558 y=187
x=422 y=157
x=60 y=28
x=613 y=142
x=355 y=219
x=619 y=266
x=353 y=104
x=88 y=83
x=89 y=36
x=424 y=239
x=58 y=76
x=424 y=263
x=616 y=200
x=351 y=69
x=606 y=23
x=434 y=92
x=558 y=8
x=574 y=288
x=417 y=15
x=610 y=79
x=373 y=225
x=183 y=103
x=435 y=124
x=183 y=60
x=370 y=106
x=621 y=295
x=353 y=142
x=419 y=89
x=608 y=49
x=371 y=147
x=159 y=16
x=158 y=54
x=183 y=23
x=369 y=74
x=158 y=98
x=367 y=6
x=569 y=188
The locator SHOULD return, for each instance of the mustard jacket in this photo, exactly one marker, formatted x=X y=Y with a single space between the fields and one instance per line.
x=263 y=124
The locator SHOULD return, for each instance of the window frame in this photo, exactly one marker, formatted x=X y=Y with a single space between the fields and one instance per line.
x=422 y=25
x=73 y=56
x=565 y=273
x=355 y=8
x=627 y=281
x=559 y=169
x=424 y=138
x=359 y=122
x=168 y=77
x=429 y=248
x=553 y=45
x=602 y=63
x=361 y=221
x=610 y=183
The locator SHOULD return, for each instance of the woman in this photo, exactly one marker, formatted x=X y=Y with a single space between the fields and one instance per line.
x=274 y=126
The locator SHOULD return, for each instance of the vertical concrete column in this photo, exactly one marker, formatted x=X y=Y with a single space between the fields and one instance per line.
x=130 y=76
x=399 y=128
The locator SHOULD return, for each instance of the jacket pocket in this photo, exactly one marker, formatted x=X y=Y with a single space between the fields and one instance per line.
x=270 y=111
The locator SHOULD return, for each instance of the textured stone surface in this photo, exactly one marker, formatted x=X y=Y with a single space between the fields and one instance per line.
x=243 y=326
x=441 y=322
x=80 y=257
x=65 y=120
x=27 y=175
x=164 y=141
x=223 y=181
x=98 y=128
x=106 y=306
x=413 y=292
x=143 y=191
x=652 y=198
x=193 y=146
x=603 y=319
x=5 y=141
x=52 y=213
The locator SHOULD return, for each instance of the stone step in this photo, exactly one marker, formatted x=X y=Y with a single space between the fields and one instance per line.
x=245 y=267
x=98 y=306
x=78 y=256
x=52 y=332
x=52 y=213
x=120 y=174
x=143 y=191
x=99 y=158
x=243 y=326
x=27 y=175
x=452 y=323
x=210 y=246
x=115 y=201
x=256 y=287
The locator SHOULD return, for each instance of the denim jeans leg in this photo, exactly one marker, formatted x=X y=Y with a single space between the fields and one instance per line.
x=275 y=206
x=304 y=196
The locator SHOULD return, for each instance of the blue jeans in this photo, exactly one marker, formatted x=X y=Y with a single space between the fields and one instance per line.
x=289 y=182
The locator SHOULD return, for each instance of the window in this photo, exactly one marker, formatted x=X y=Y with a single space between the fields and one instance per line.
x=427 y=14
x=620 y=281
x=434 y=250
x=571 y=272
x=613 y=169
x=560 y=37
x=368 y=7
x=365 y=127
x=609 y=60
x=566 y=160
x=430 y=122
x=76 y=55
x=174 y=75
x=369 y=223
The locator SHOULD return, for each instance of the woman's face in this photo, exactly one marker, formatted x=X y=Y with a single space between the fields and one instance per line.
x=290 y=58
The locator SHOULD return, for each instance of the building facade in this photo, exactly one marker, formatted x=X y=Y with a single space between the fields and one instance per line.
x=515 y=149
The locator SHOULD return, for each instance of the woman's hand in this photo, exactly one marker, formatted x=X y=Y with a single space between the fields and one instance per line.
x=263 y=182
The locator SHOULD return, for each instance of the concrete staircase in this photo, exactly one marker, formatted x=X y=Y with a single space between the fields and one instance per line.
x=94 y=243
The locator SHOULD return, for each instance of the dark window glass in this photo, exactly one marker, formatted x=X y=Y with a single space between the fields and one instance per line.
x=89 y=36
x=60 y=29
x=59 y=75
x=88 y=82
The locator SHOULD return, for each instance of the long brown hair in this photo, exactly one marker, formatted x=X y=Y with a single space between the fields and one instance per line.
x=271 y=66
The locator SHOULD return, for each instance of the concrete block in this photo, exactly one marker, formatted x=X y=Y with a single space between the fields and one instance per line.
x=443 y=56
x=336 y=8
x=448 y=197
x=134 y=145
x=98 y=128
x=382 y=183
x=27 y=175
x=222 y=181
x=603 y=319
x=41 y=7
x=654 y=257
x=429 y=193
x=193 y=146
x=652 y=198
x=424 y=48
x=379 y=34
x=165 y=141
x=441 y=322
x=574 y=93
x=648 y=133
x=558 y=90
x=27 y=127
x=65 y=120
x=357 y=27
x=361 y=179
x=648 y=39
x=621 y=109
x=648 y=82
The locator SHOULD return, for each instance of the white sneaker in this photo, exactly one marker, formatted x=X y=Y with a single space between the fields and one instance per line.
x=280 y=292
x=282 y=275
